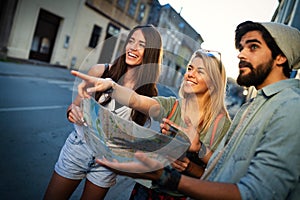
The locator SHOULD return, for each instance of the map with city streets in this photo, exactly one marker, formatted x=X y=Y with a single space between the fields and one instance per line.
x=116 y=138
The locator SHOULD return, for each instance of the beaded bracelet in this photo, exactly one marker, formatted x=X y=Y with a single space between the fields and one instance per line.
x=169 y=179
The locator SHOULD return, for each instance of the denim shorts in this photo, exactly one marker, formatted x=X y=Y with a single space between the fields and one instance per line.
x=76 y=161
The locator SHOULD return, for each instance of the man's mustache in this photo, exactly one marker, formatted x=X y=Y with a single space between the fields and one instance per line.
x=245 y=64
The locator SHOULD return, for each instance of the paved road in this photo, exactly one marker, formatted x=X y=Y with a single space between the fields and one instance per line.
x=33 y=128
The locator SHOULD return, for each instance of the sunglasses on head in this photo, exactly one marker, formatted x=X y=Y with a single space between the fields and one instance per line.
x=215 y=54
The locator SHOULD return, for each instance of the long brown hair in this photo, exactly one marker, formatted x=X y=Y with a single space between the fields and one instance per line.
x=147 y=73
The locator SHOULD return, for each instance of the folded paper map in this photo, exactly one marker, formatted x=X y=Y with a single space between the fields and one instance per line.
x=116 y=138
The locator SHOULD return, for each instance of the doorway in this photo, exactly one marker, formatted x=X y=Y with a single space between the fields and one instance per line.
x=44 y=36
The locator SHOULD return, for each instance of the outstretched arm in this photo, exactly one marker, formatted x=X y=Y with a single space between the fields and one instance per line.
x=123 y=95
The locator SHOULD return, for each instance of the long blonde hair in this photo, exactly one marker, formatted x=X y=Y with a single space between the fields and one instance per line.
x=214 y=102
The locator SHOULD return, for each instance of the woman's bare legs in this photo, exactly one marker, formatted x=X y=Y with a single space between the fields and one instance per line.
x=60 y=187
x=92 y=191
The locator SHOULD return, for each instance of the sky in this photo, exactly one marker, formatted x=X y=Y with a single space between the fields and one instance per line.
x=216 y=20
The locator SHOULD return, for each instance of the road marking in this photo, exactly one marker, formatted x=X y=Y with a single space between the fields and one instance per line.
x=63 y=84
x=31 y=108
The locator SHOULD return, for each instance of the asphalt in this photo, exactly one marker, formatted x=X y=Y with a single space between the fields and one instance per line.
x=41 y=70
x=122 y=189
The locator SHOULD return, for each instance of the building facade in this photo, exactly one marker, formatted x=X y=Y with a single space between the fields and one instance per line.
x=77 y=34
x=288 y=12
x=180 y=40
x=70 y=33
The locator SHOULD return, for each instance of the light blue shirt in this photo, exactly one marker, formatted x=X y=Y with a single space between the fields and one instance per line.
x=262 y=152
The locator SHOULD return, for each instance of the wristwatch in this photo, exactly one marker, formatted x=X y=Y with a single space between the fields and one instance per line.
x=202 y=151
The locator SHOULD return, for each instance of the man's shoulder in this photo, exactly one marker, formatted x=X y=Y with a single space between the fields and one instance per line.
x=287 y=89
x=292 y=90
x=282 y=97
x=288 y=99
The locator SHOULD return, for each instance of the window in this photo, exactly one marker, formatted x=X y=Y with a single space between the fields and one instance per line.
x=95 y=36
x=132 y=7
x=113 y=30
x=141 y=14
x=121 y=4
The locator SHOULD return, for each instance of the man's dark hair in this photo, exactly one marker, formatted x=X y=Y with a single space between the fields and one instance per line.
x=247 y=26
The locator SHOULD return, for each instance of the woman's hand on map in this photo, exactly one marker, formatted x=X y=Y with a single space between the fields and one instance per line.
x=75 y=115
x=146 y=168
x=91 y=84
x=190 y=131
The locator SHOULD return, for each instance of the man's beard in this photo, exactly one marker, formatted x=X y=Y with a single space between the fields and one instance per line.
x=257 y=75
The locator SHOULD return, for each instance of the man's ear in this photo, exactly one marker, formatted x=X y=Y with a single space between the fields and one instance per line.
x=280 y=59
